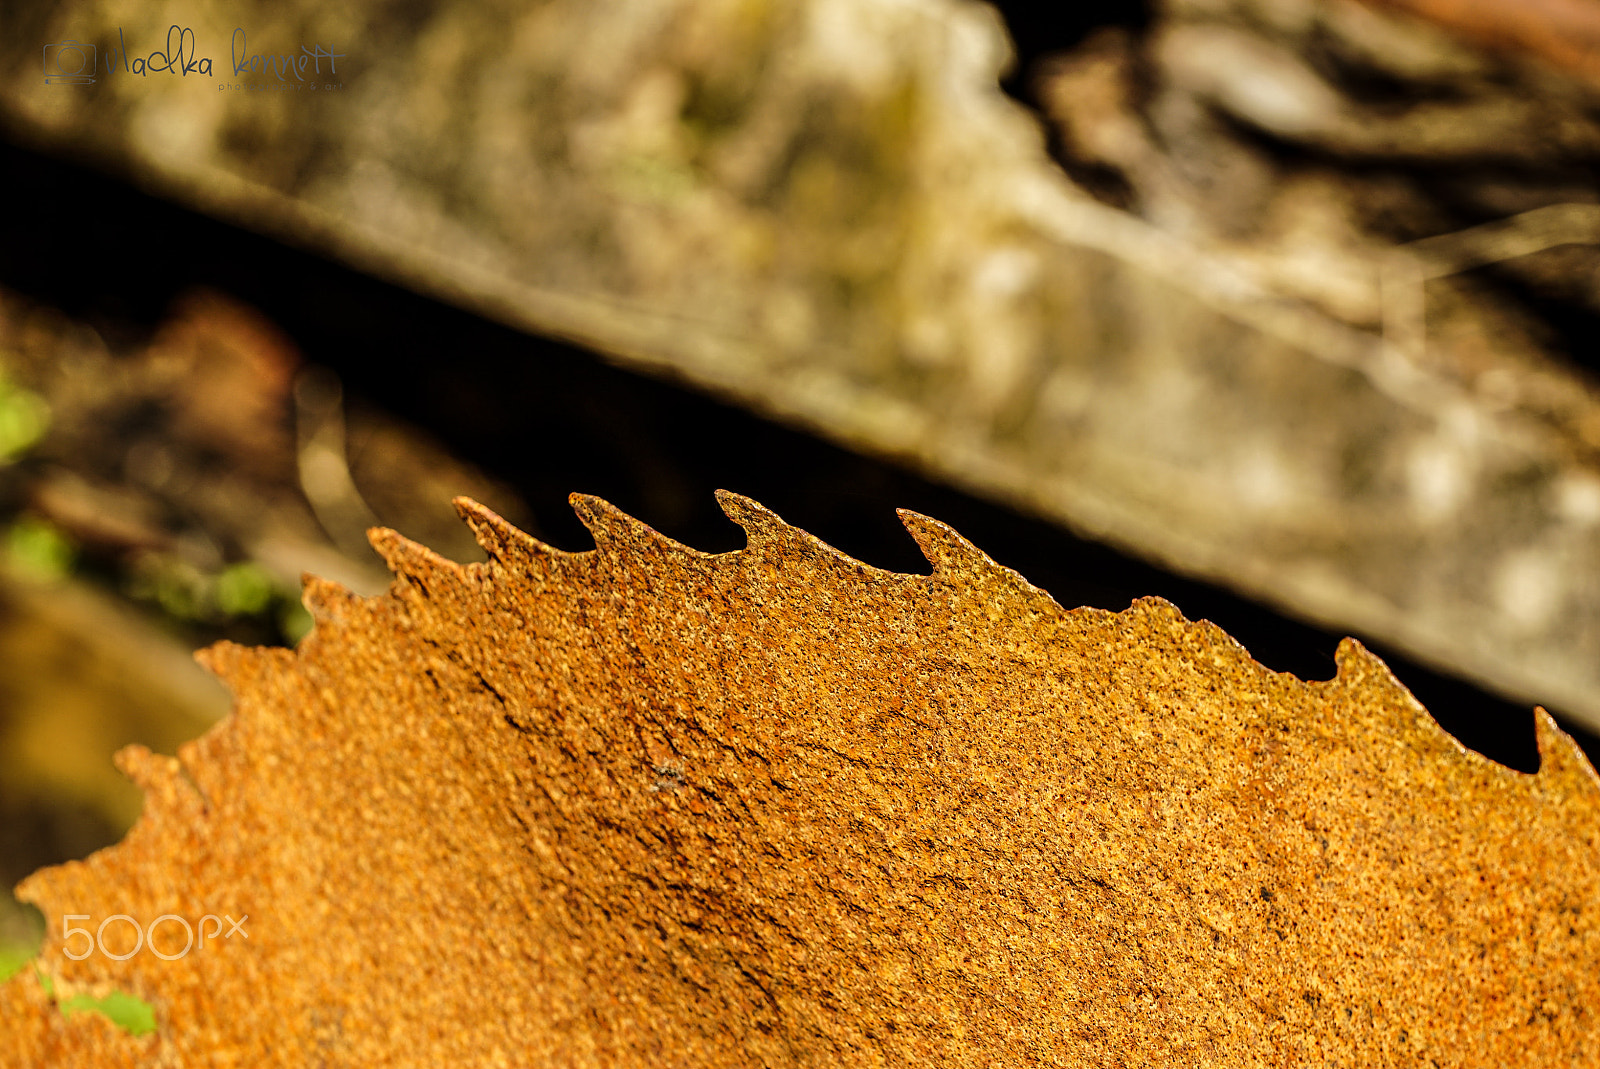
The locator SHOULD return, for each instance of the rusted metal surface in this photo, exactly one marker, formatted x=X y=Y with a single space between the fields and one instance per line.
x=643 y=805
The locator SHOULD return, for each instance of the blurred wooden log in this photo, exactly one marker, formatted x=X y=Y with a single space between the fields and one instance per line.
x=1565 y=33
x=827 y=211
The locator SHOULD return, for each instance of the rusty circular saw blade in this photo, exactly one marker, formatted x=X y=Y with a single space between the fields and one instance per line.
x=645 y=805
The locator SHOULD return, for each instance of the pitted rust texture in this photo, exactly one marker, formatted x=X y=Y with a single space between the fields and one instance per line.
x=647 y=806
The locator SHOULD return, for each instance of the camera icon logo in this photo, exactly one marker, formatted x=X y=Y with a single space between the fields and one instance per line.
x=70 y=63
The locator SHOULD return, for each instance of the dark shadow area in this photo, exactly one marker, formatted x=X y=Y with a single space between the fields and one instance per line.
x=549 y=418
x=33 y=835
x=1040 y=30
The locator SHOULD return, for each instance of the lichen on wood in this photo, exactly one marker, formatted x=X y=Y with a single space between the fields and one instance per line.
x=642 y=805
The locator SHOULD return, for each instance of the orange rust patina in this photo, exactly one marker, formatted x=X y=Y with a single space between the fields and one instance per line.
x=647 y=806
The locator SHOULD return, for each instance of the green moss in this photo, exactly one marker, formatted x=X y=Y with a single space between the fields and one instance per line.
x=24 y=417
x=295 y=622
x=39 y=550
x=12 y=960
x=244 y=589
x=21 y=935
x=19 y=947
x=133 y=1015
